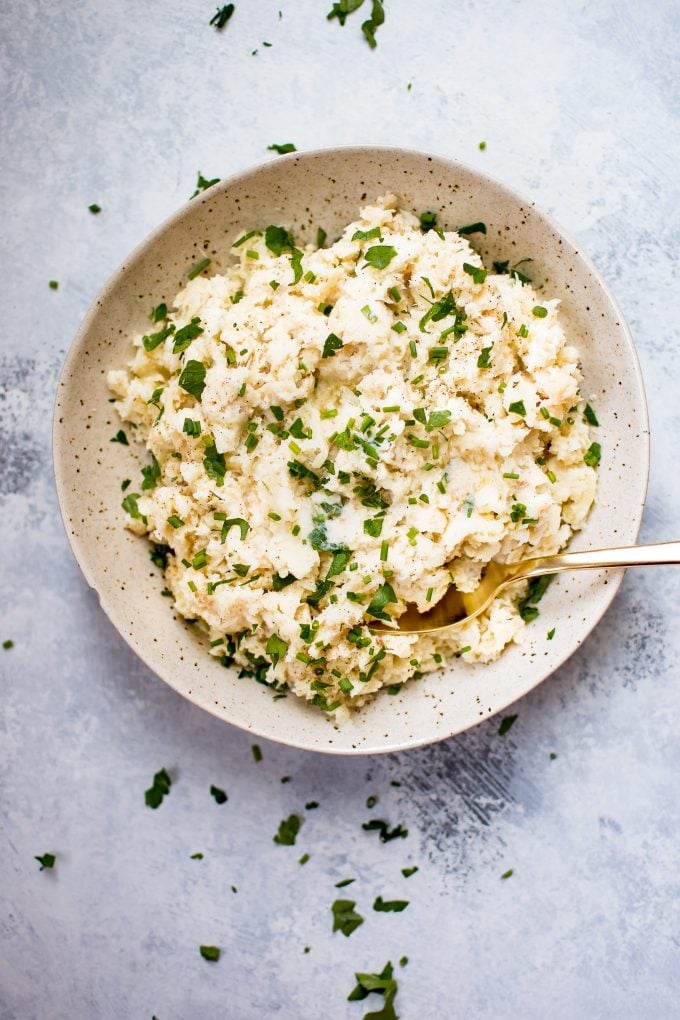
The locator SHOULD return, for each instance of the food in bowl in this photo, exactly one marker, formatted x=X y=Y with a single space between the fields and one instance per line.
x=338 y=431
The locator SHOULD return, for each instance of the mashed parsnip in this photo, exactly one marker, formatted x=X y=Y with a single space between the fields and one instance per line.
x=337 y=432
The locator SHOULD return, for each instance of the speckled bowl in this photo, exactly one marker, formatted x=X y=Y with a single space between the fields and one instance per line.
x=302 y=192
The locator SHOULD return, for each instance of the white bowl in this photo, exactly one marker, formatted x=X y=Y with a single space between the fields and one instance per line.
x=304 y=191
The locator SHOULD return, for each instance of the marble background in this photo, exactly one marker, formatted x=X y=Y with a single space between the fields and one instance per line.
x=120 y=103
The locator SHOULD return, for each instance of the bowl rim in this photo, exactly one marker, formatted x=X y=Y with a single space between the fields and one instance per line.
x=615 y=577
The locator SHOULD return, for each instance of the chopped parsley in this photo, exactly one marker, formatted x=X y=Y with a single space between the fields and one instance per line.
x=478 y=275
x=590 y=415
x=407 y=872
x=517 y=407
x=8 y=644
x=94 y=208
x=54 y=285
x=389 y=906
x=196 y=857
x=321 y=236
x=151 y=474
x=120 y=437
x=345 y=917
x=428 y=221
x=211 y=953
x=234 y=522
x=304 y=858
x=219 y=795
x=508 y=873
x=279 y=583
x=186 y=334
x=288 y=830
x=384 y=596
x=537 y=589
x=472 y=228
x=257 y=753
x=130 y=506
x=507 y=723
x=160 y=788
x=192 y=379
x=344 y=882
x=386 y=834
x=332 y=344
x=282 y=149
x=221 y=16
x=46 y=860
x=367 y=235
x=383 y=984
x=276 y=649
x=152 y=340
x=483 y=359
x=380 y=255
x=373 y=526
x=593 y=455
x=551 y=634
x=202 y=184
x=192 y=427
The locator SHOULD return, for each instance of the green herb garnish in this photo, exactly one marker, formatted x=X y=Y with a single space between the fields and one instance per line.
x=234 y=522
x=211 y=953
x=219 y=795
x=517 y=407
x=186 y=334
x=507 y=723
x=380 y=256
x=428 y=221
x=282 y=149
x=221 y=16
x=202 y=184
x=386 y=834
x=478 y=275
x=46 y=860
x=160 y=788
x=332 y=344
x=192 y=379
x=345 y=917
x=407 y=872
x=539 y=311
x=288 y=830
x=593 y=455
x=198 y=268
x=472 y=228
x=120 y=437
x=590 y=415
x=94 y=208
x=389 y=906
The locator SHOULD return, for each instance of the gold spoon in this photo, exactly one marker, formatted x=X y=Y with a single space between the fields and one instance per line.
x=456 y=607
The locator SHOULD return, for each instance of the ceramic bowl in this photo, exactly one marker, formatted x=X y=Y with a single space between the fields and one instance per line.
x=302 y=192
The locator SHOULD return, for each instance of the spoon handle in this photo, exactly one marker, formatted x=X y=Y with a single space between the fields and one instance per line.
x=628 y=556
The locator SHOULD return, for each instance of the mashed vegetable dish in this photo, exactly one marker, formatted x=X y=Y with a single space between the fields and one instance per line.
x=338 y=431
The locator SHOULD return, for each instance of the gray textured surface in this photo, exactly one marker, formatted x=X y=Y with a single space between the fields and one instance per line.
x=120 y=104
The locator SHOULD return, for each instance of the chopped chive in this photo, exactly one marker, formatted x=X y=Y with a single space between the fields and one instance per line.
x=198 y=268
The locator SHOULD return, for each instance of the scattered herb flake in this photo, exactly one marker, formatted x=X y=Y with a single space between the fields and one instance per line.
x=288 y=830
x=345 y=917
x=407 y=872
x=211 y=953
x=593 y=455
x=389 y=906
x=508 y=873
x=46 y=860
x=222 y=15
x=507 y=723
x=160 y=788
x=283 y=149
x=590 y=415
x=257 y=753
x=202 y=184
x=219 y=795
